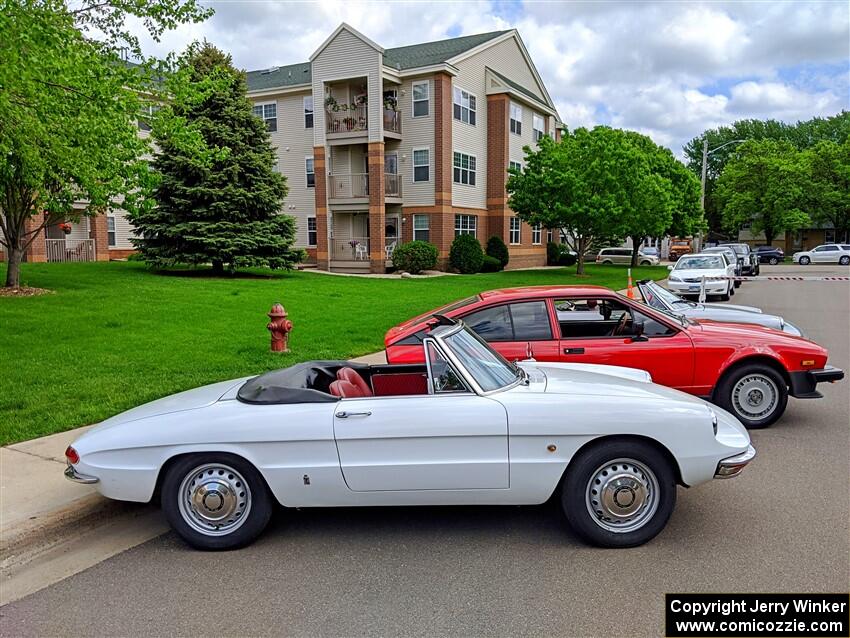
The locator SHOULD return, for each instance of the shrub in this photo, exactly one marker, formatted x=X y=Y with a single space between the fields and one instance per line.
x=466 y=255
x=559 y=255
x=415 y=256
x=496 y=248
x=491 y=264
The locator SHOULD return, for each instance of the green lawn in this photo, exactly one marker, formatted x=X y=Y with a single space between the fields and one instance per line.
x=115 y=335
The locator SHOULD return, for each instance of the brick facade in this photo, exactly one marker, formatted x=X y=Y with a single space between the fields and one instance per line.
x=377 y=208
x=321 y=195
x=99 y=232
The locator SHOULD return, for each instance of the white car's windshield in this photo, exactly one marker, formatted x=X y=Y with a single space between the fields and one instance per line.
x=487 y=367
x=661 y=298
x=705 y=262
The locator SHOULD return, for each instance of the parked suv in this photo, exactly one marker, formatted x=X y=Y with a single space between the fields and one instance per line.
x=750 y=266
x=769 y=255
x=679 y=247
x=824 y=254
x=624 y=256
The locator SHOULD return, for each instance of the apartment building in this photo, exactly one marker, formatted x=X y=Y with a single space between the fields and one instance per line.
x=383 y=146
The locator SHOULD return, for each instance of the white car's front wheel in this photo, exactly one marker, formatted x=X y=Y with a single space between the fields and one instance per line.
x=619 y=493
x=805 y=261
x=215 y=501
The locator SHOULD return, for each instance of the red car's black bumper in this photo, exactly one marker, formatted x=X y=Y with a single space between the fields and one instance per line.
x=803 y=383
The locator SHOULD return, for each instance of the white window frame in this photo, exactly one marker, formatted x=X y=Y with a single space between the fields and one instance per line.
x=465 y=224
x=537 y=133
x=427 y=99
x=515 y=232
x=471 y=111
x=427 y=228
x=111 y=237
x=513 y=164
x=537 y=234
x=470 y=172
x=414 y=165
x=309 y=112
x=262 y=106
x=314 y=231
x=307 y=172
x=515 y=123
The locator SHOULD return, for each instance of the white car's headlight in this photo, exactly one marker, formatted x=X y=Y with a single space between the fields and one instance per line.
x=673 y=278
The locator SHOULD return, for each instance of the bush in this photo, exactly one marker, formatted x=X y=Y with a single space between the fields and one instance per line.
x=465 y=254
x=415 y=256
x=491 y=264
x=559 y=255
x=496 y=248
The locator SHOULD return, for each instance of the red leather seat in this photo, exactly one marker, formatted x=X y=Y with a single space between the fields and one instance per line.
x=344 y=389
x=350 y=375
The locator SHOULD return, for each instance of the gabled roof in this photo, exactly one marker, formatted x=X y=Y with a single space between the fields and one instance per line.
x=352 y=31
x=517 y=88
x=282 y=76
x=400 y=58
x=430 y=53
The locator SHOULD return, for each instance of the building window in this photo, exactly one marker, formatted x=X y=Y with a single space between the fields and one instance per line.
x=308 y=111
x=465 y=225
x=464 y=169
x=549 y=236
x=267 y=113
x=538 y=127
x=536 y=234
x=421 y=98
x=516 y=119
x=311 y=231
x=464 y=106
x=110 y=231
x=421 y=165
x=515 y=236
x=145 y=116
x=311 y=173
x=515 y=165
x=421 y=228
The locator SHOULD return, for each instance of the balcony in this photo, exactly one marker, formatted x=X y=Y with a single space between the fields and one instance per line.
x=61 y=250
x=347 y=120
x=356 y=186
x=392 y=121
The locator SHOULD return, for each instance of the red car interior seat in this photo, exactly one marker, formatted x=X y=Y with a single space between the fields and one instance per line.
x=350 y=375
x=345 y=390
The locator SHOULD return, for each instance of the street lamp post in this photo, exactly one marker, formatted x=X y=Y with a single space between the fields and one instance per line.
x=705 y=154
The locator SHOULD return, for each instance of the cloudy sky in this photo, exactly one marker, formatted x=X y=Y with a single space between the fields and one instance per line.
x=667 y=69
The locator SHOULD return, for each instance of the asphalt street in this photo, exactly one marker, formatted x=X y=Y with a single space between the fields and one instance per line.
x=783 y=526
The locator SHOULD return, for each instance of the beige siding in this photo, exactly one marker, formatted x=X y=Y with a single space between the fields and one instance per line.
x=123 y=231
x=516 y=142
x=416 y=132
x=507 y=59
x=347 y=56
x=293 y=143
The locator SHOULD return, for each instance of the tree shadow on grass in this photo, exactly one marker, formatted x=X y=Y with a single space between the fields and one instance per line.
x=208 y=273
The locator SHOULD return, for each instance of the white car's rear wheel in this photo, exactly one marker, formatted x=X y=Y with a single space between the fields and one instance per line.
x=215 y=501
x=619 y=493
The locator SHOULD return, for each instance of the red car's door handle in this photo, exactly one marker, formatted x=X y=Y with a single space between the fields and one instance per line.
x=573 y=350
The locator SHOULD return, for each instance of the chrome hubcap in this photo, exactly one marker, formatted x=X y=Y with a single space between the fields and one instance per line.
x=755 y=396
x=622 y=495
x=214 y=499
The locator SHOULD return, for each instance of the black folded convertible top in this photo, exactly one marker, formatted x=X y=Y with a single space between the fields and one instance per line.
x=306 y=382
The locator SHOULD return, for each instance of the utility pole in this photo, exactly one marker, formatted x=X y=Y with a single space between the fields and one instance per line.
x=705 y=154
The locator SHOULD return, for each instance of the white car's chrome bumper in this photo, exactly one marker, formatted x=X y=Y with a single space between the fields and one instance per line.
x=713 y=287
x=72 y=475
x=734 y=465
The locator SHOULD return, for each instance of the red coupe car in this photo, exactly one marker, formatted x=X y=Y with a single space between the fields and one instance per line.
x=746 y=369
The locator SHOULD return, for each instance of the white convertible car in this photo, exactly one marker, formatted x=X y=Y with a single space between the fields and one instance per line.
x=466 y=428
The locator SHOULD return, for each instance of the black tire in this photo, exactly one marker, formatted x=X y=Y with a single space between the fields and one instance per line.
x=256 y=514
x=805 y=261
x=732 y=290
x=608 y=262
x=770 y=381
x=738 y=283
x=726 y=295
x=773 y=261
x=576 y=497
x=645 y=263
x=844 y=261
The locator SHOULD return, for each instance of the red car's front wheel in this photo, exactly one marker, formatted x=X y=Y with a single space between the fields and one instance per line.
x=755 y=393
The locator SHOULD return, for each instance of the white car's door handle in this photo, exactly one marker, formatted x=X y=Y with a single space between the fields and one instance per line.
x=345 y=415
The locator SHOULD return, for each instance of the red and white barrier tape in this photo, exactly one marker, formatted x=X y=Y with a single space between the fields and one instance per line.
x=775 y=278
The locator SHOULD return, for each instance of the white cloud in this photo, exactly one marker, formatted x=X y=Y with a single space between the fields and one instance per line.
x=667 y=69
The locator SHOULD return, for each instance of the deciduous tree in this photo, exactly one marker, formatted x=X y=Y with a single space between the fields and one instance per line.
x=827 y=192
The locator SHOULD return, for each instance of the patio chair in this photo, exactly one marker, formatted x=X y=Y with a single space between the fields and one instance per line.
x=361 y=252
x=389 y=249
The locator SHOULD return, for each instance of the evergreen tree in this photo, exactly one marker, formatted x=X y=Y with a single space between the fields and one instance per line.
x=217 y=199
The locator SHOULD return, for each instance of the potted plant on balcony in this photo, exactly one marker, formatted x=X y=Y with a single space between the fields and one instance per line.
x=65 y=227
x=331 y=104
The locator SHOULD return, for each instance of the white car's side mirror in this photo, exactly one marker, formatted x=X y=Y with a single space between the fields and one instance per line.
x=669 y=267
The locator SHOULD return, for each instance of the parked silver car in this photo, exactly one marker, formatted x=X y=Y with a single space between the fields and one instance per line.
x=662 y=299
x=624 y=256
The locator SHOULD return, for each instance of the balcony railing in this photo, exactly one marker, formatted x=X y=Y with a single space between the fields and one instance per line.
x=392 y=121
x=392 y=185
x=348 y=186
x=351 y=186
x=349 y=120
x=70 y=250
x=350 y=249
